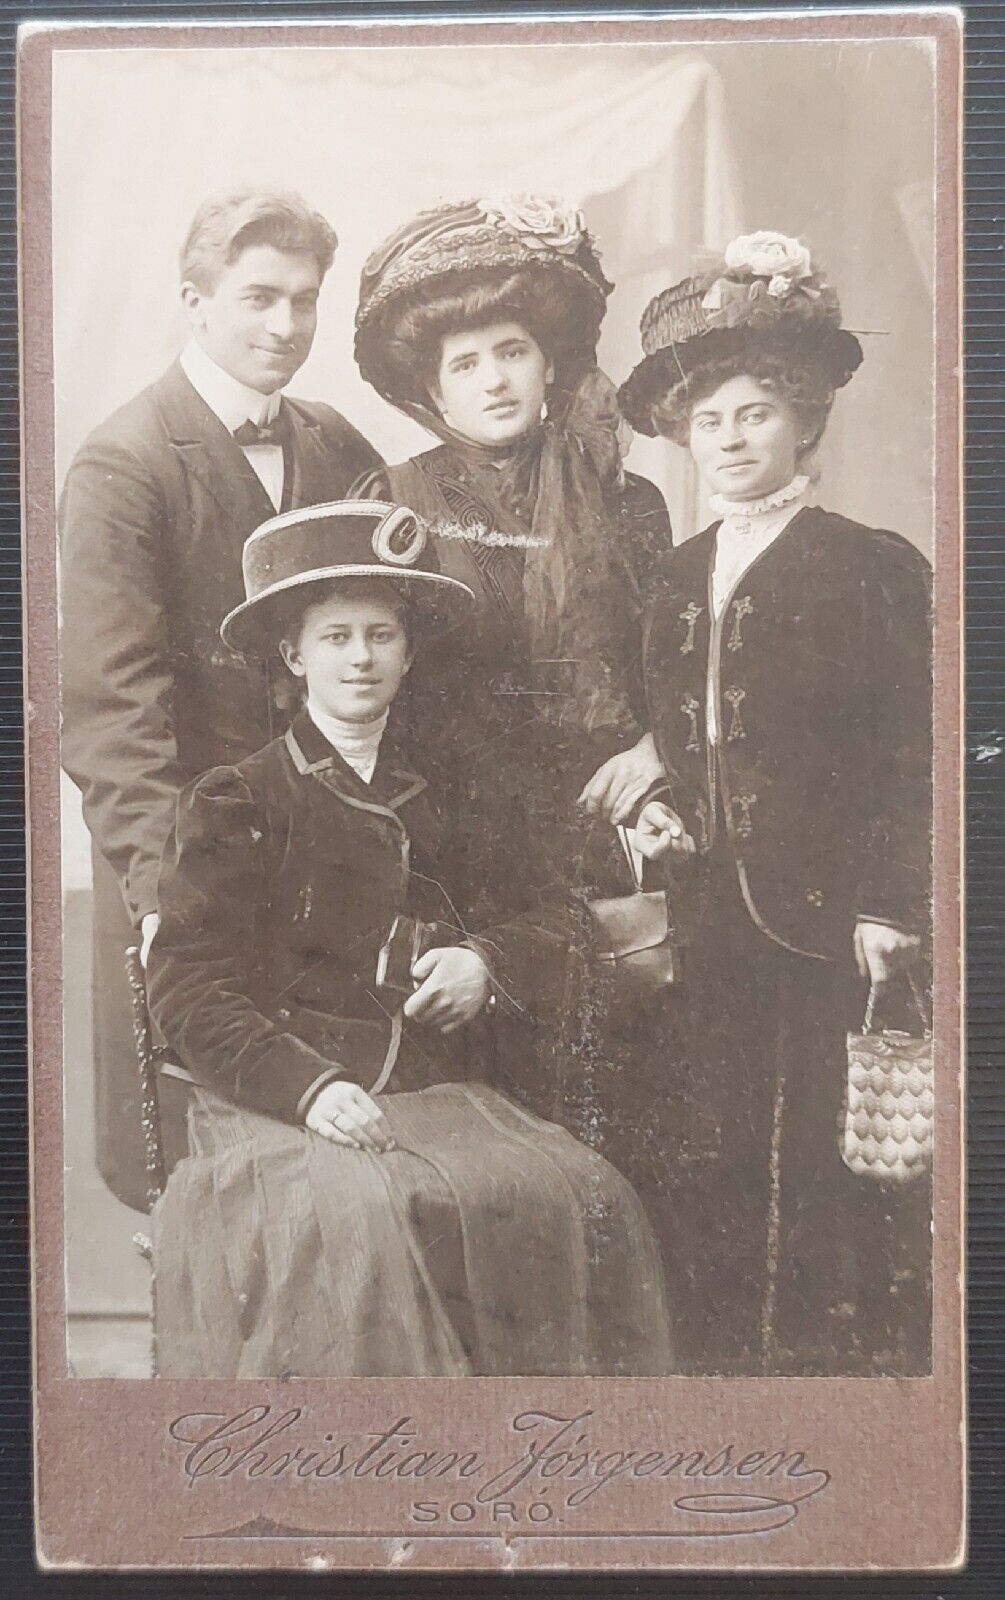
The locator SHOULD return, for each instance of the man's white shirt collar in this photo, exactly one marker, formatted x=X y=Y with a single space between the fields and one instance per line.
x=232 y=401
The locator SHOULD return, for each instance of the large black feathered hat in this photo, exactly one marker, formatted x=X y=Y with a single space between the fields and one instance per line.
x=469 y=243
x=765 y=295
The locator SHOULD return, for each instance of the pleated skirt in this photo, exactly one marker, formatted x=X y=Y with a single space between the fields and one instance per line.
x=487 y=1242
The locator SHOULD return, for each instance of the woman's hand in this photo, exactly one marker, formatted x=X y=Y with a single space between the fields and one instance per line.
x=617 y=787
x=345 y=1114
x=454 y=984
x=882 y=952
x=659 y=831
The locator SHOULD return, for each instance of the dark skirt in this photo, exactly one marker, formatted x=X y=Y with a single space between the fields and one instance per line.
x=777 y=1258
x=488 y=1242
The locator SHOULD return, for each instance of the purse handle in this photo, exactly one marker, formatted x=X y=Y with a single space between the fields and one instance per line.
x=633 y=867
x=391 y=1054
x=919 y=1002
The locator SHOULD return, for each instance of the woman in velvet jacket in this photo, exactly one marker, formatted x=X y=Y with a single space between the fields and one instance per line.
x=788 y=678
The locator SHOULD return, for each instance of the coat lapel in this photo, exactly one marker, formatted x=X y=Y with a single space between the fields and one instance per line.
x=394 y=781
x=312 y=465
x=207 y=451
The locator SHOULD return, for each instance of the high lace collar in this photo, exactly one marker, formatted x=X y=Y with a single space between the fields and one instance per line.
x=746 y=510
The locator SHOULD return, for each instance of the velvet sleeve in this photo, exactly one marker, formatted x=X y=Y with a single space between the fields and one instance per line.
x=895 y=881
x=520 y=907
x=648 y=537
x=203 y=971
x=643 y=540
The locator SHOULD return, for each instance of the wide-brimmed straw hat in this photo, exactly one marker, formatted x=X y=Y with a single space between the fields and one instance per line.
x=469 y=242
x=766 y=295
x=320 y=544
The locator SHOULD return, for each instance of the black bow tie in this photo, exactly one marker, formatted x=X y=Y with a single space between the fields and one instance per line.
x=275 y=432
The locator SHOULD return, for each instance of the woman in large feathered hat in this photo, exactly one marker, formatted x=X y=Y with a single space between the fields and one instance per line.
x=480 y=320
x=788 y=681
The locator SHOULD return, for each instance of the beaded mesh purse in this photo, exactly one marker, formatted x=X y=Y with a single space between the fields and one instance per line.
x=888 y=1120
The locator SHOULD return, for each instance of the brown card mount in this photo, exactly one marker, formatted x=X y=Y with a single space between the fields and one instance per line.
x=670 y=138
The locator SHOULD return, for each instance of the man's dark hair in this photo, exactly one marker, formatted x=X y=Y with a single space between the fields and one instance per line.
x=226 y=225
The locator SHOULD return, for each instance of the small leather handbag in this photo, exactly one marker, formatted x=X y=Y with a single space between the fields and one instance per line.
x=636 y=935
x=888 y=1118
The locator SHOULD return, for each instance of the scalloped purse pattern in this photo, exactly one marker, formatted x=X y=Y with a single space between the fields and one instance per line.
x=888 y=1119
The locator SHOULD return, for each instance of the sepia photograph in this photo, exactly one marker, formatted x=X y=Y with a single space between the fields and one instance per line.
x=497 y=543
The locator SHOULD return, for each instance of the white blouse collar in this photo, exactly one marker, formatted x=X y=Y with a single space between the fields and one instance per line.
x=747 y=510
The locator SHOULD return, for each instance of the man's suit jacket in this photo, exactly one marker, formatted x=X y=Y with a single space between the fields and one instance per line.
x=155 y=511
x=154 y=514
x=821 y=664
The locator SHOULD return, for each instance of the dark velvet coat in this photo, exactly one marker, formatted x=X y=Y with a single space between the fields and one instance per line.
x=816 y=810
x=279 y=883
x=486 y=1241
x=155 y=510
x=821 y=660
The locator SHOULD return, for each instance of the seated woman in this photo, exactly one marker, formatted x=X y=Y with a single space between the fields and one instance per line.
x=320 y=1226
x=789 y=683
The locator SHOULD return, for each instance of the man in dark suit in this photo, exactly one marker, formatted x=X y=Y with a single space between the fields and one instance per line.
x=154 y=514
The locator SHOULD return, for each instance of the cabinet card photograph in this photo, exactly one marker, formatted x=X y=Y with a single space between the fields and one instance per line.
x=492 y=553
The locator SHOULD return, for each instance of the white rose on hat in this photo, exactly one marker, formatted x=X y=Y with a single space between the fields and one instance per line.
x=538 y=220
x=775 y=256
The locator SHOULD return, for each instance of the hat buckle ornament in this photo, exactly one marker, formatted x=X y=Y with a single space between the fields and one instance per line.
x=400 y=537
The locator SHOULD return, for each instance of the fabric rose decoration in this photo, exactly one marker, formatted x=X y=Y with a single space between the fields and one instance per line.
x=767 y=275
x=783 y=261
x=540 y=222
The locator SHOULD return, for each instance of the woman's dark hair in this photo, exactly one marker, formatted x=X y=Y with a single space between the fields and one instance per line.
x=288 y=613
x=802 y=387
x=560 y=322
